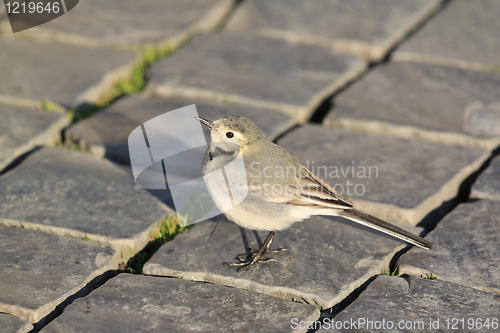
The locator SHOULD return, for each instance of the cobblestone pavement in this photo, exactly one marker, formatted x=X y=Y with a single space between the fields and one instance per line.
x=394 y=103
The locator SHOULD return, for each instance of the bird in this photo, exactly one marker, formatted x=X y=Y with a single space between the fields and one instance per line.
x=279 y=191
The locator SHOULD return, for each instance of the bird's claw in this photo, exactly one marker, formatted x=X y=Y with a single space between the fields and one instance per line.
x=278 y=251
x=252 y=253
x=246 y=264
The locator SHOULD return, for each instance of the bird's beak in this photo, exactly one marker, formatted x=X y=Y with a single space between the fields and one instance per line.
x=205 y=122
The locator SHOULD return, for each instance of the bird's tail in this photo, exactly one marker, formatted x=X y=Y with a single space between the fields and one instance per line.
x=385 y=227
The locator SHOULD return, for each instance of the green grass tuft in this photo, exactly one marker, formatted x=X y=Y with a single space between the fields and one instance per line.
x=430 y=276
x=389 y=273
x=166 y=231
x=312 y=303
x=74 y=146
x=50 y=106
x=495 y=69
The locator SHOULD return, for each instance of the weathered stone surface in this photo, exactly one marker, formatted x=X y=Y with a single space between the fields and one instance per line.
x=435 y=103
x=487 y=185
x=39 y=270
x=131 y=303
x=76 y=194
x=483 y=119
x=66 y=74
x=463 y=34
x=131 y=22
x=414 y=303
x=21 y=129
x=465 y=248
x=106 y=133
x=254 y=70
x=398 y=180
x=327 y=259
x=366 y=28
x=13 y=324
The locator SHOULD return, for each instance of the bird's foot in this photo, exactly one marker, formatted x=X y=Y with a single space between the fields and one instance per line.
x=253 y=257
x=252 y=253
x=246 y=264
x=248 y=259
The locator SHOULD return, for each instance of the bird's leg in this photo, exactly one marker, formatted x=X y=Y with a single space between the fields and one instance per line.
x=252 y=252
x=256 y=256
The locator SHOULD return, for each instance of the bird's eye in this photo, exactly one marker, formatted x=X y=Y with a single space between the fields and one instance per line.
x=229 y=135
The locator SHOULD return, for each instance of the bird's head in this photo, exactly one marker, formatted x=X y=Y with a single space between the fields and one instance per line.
x=236 y=130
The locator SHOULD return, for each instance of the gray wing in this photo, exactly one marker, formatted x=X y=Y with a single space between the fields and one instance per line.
x=302 y=189
x=315 y=192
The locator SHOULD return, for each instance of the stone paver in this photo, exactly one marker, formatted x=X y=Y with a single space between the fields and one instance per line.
x=75 y=194
x=13 y=324
x=465 y=248
x=132 y=303
x=398 y=180
x=463 y=34
x=132 y=22
x=21 y=129
x=66 y=74
x=487 y=186
x=327 y=258
x=39 y=270
x=106 y=133
x=365 y=28
x=419 y=305
x=435 y=103
x=254 y=70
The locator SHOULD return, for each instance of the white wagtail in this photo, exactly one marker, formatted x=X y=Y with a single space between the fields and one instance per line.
x=285 y=194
